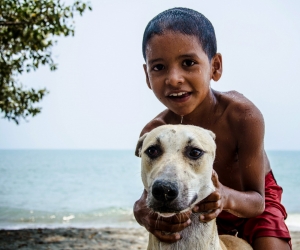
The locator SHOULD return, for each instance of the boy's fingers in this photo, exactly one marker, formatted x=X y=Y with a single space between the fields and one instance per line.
x=213 y=197
x=177 y=218
x=210 y=216
x=215 y=178
x=213 y=201
x=203 y=207
x=165 y=237
x=170 y=228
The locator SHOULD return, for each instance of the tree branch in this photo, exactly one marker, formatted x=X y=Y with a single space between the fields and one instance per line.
x=4 y=23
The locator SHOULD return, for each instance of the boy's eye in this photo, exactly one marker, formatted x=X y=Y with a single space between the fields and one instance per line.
x=158 y=67
x=188 y=63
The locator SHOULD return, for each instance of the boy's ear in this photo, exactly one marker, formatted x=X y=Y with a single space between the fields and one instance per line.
x=147 y=77
x=217 y=67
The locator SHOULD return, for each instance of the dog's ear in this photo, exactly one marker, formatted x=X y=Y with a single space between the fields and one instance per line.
x=139 y=145
x=212 y=134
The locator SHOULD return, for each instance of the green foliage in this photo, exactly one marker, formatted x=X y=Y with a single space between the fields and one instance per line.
x=27 y=32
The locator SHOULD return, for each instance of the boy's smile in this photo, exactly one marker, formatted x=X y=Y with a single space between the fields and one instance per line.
x=178 y=71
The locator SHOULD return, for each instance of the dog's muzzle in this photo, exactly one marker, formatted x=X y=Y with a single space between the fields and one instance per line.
x=164 y=191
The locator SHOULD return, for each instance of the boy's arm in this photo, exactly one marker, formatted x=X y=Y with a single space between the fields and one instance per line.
x=252 y=162
x=249 y=124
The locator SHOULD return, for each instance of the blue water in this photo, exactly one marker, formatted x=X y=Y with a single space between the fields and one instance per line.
x=286 y=169
x=55 y=188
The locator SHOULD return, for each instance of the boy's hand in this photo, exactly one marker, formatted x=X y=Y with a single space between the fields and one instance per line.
x=165 y=229
x=213 y=204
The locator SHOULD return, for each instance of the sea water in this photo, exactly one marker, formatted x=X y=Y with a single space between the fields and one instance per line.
x=78 y=188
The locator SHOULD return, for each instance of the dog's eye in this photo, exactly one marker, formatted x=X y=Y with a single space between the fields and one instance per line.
x=195 y=153
x=153 y=152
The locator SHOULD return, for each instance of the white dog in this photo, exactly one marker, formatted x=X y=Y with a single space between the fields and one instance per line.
x=177 y=163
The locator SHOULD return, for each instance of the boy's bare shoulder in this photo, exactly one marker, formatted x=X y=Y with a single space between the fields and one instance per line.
x=241 y=112
x=156 y=122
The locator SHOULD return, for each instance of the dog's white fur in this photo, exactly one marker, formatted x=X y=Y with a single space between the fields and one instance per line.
x=191 y=176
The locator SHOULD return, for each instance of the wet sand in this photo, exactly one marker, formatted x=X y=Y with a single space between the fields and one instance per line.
x=75 y=239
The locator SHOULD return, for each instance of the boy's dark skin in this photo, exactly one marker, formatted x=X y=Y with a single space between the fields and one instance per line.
x=176 y=63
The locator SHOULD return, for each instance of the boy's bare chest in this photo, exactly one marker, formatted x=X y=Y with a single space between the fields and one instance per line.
x=227 y=159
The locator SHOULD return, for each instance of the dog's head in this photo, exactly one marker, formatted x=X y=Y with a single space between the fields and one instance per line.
x=177 y=162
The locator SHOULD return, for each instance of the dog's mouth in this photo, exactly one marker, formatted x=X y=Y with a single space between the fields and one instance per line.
x=167 y=209
x=170 y=214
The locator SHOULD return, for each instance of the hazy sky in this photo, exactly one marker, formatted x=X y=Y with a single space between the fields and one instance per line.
x=99 y=98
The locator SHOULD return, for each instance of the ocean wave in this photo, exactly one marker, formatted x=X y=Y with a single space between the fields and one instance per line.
x=14 y=218
x=293 y=222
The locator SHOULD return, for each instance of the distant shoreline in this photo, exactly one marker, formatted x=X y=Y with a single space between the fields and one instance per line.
x=292 y=222
x=132 y=226
x=75 y=239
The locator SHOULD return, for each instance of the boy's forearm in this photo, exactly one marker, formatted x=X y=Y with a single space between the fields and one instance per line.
x=243 y=204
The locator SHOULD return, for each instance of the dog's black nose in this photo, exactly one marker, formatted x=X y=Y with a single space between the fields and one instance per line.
x=164 y=190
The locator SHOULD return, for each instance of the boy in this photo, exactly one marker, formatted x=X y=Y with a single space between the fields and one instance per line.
x=179 y=47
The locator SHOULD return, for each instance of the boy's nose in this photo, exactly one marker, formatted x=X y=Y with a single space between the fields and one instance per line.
x=174 y=78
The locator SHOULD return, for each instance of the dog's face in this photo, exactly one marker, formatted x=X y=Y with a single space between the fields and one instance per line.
x=177 y=165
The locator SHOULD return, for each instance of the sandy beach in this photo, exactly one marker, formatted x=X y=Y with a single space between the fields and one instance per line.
x=75 y=239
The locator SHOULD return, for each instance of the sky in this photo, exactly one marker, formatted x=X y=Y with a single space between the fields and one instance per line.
x=99 y=98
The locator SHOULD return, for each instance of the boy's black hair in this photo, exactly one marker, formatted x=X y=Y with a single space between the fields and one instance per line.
x=185 y=21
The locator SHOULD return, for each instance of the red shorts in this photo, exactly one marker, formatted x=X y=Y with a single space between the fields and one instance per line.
x=269 y=224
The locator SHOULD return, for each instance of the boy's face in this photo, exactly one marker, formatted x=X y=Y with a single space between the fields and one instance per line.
x=178 y=71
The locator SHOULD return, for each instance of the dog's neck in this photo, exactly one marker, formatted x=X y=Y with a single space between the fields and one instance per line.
x=198 y=236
